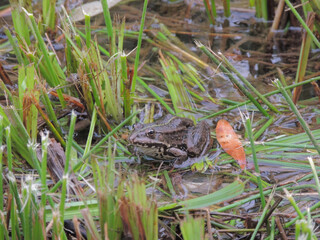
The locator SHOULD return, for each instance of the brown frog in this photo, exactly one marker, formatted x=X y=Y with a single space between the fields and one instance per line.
x=171 y=138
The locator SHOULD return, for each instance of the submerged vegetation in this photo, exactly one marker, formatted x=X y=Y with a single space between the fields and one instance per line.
x=72 y=91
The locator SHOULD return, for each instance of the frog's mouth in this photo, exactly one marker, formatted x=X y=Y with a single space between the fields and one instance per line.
x=159 y=153
x=148 y=143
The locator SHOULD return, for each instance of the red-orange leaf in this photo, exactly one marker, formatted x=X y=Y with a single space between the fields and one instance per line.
x=230 y=142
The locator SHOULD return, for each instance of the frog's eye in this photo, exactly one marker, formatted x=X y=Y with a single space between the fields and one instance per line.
x=150 y=132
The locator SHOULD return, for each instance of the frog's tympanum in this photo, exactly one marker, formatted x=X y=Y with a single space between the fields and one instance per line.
x=171 y=138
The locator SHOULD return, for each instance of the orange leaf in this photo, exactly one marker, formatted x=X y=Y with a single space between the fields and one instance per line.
x=230 y=142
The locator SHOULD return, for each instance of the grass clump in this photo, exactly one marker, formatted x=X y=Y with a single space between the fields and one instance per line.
x=193 y=228
x=139 y=214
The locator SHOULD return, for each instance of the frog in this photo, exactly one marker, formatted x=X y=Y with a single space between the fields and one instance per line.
x=171 y=138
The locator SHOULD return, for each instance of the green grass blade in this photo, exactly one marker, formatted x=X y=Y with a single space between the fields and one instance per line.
x=272 y=229
x=107 y=18
x=298 y=115
x=177 y=91
x=17 y=199
x=77 y=166
x=88 y=30
x=44 y=148
x=66 y=168
x=15 y=47
x=264 y=5
x=293 y=203
x=9 y=149
x=193 y=228
x=210 y=9
x=262 y=217
x=136 y=61
x=53 y=80
x=91 y=131
x=303 y=58
x=263 y=128
x=102 y=141
x=228 y=192
x=154 y=94
x=169 y=183
x=234 y=80
x=247 y=83
x=19 y=21
x=266 y=95
x=2 y=229
x=226 y=8
x=125 y=86
x=247 y=122
x=316 y=177
x=48 y=13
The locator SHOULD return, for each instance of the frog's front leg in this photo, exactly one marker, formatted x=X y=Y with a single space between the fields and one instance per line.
x=178 y=153
x=199 y=139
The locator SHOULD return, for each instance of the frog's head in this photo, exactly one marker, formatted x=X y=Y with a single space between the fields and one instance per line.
x=141 y=134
